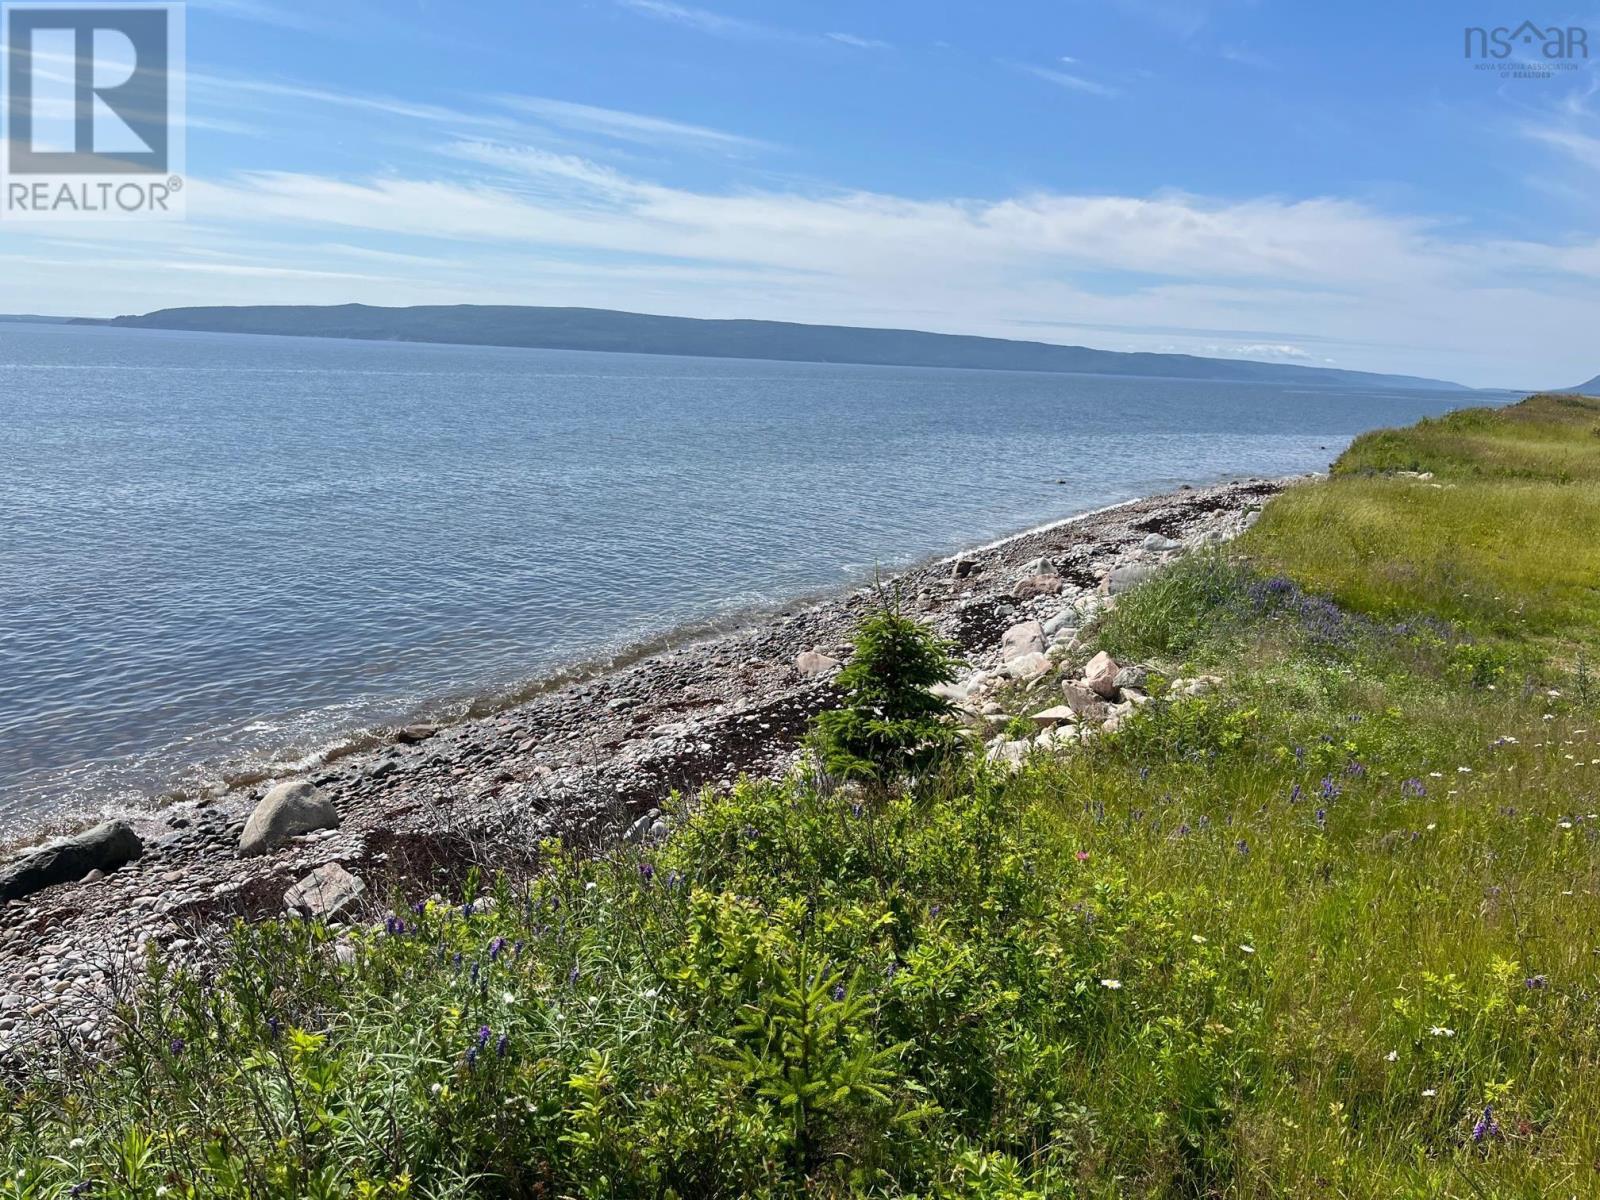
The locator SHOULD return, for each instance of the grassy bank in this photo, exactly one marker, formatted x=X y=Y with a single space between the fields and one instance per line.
x=1327 y=932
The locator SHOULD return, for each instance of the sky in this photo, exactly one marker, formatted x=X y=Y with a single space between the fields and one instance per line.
x=1266 y=179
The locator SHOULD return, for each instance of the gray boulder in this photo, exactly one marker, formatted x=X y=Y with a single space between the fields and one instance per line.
x=811 y=663
x=1160 y=544
x=287 y=811
x=329 y=892
x=1128 y=576
x=1024 y=638
x=1085 y=703
x=104 y=848
x=1035 y=586
x=1132 y=677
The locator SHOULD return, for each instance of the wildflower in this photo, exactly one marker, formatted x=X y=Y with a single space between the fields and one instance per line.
x=1322 y=818
x=934 y=910
x=75 y=1144
x=436 y=1089
x=1113 y=984
x=838 y=992
x=274 y=1027
x=467 y=909
x=1537 y=982
x=1442 y=1031
x=1563 y=824
x=1082 y=856
x=79 y=1188
x=1487 y=1126
x=1295 y=794
x=1463 y=770
x=893 y=968
x=590 y=886
x=508 y=997
x=475 y=969
x=1197 y=939
x=503 y=1045
x=673 y=879
x=572 y=976
x=1392 y=1056
x=177 y=1045
x=484 y=1034
x=647 y=872
x=1429 y=1092
x=1413 y=787
x=1355 y=769
x=420 y=907
x=1328 y=789
x=1247 y=948
x=495 y=947
x=855 y=809
x=472 y=1057
x=1242 y=846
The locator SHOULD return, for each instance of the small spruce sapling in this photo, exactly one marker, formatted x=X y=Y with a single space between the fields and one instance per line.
x=891 y=726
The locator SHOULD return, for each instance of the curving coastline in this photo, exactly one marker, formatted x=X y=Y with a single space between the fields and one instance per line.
x=582 y=759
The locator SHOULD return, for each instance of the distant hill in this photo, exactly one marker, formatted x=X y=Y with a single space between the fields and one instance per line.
x=638 y=333
x=23 y=317
x=1592 y=388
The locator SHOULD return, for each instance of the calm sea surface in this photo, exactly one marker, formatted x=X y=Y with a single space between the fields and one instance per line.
x=220 y=554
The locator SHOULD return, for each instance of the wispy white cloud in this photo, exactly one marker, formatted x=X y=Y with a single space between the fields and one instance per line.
x=259 y=11
x=702 y=19
x=860 y=43
x=1065 y=79
x=627 y=126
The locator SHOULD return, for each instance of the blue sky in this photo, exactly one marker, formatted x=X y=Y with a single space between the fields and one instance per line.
x=1322 y=184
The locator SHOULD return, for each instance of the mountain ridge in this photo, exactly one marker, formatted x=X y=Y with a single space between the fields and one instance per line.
x=594 y=329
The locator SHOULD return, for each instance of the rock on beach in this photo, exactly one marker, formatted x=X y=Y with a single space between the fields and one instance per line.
x=286 y=811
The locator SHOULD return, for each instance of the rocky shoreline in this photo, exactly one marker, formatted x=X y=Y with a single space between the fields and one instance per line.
x=587 y=761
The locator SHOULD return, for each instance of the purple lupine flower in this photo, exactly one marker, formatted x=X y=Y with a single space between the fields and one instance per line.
x=455 y=960
x=892 y=969
x=572 y=976
x=1487 y=1126
x=1300 y=755
x=502 y=1046
x=274 y=1027
x=516 y=951
x=1413 y=787
x=647 y=872
x=856 y=809
x=1355 y=769
x=1242 y=846
x=751 y=833
x=484 y=1034
x=474 y=970
x=468 y=909
x=79 y=1188
x=472 y=1057
x=1322 y=818
x=1182 y=830
x=1295 y=794
x=1537 y=982
x=1144 y=774
x=838 y=991
x=934 y=910
x=495 y=947
x=1328 y=789
x=673 y=879
x=420 y=907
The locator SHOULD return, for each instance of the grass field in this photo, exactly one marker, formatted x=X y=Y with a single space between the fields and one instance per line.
x=1329 y=932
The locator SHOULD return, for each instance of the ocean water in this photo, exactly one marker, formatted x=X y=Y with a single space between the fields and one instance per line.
x=222 y=555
